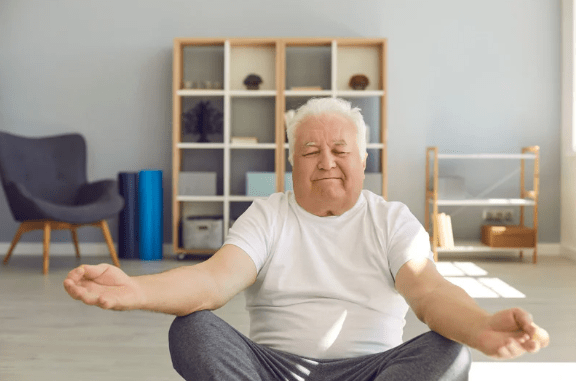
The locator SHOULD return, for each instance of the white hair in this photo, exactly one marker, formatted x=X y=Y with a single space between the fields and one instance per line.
x=318 y=106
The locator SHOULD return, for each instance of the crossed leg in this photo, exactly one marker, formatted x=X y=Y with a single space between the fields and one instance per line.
x=204 y=347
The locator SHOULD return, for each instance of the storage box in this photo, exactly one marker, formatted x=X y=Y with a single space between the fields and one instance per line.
x=202 y=233
x=508 y=236
x=197 y=184
x=263 y=184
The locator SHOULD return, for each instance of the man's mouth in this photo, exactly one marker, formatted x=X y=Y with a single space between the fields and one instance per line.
x=328 y=178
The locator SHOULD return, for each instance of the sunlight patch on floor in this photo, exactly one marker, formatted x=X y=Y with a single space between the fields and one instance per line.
x=473 y=280
x=525 y=371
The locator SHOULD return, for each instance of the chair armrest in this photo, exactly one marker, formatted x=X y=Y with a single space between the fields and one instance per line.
x=99 y=191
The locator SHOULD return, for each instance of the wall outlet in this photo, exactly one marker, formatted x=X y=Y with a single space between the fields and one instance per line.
x=498 y=215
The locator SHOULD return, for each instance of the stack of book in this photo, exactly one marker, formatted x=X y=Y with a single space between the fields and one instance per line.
x=445 y=234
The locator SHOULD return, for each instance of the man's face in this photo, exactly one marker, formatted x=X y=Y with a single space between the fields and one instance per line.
x=328 y=171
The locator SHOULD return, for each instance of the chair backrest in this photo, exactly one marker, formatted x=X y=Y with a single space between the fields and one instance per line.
x=51 y=168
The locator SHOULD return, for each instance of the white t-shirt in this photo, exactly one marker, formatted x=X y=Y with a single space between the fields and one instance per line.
x=325 y=285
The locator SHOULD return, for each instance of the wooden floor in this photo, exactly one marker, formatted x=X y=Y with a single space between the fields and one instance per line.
x=45 y=335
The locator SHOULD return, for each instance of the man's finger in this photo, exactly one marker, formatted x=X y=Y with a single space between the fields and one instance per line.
x=71 y=288
x=94 y=271
x=541 y=337
x=524 y=321
x=76 y=274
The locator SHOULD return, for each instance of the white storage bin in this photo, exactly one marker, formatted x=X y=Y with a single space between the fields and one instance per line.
x=202 y=233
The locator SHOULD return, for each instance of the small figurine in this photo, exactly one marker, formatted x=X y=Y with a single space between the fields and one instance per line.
x=252 y=82
x=203 y=119
x=358 y=82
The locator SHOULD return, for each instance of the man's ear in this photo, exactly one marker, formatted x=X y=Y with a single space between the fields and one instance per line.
x=364 y=161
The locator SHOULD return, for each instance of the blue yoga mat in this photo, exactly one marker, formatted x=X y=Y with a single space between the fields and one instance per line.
x=128 y=219
x=150 y=214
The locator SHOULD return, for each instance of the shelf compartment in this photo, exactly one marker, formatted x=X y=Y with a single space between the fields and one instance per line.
x=202 y=116
x=201 y=64
x=258 y=58
x=357 y=58
x=253 y=117
x=202 y=207
x=204 y=160
x=255 y=160
x=299 y=60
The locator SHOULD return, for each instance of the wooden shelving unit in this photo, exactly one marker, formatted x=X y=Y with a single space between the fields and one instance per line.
x=286 y=66
x=527 y=198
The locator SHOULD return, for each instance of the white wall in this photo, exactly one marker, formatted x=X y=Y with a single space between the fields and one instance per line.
x=470 y=76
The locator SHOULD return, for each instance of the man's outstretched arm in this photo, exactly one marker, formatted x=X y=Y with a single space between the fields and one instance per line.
x=180 y=291
x=451 y=312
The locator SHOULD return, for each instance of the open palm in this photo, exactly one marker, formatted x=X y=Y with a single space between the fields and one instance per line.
x=103 y=285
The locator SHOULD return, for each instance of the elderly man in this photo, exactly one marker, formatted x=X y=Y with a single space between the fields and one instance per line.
x=329 y=270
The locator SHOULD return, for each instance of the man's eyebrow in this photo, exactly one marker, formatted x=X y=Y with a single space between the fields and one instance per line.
x=340 y=142
x=310 y=144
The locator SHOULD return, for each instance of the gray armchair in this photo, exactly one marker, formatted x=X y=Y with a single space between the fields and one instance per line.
x=45 y=183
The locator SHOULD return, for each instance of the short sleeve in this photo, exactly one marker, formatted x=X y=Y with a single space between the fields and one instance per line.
x=407 y=238
x=253 y=230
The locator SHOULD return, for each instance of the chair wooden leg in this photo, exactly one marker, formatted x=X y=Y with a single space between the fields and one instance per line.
x=109 y=242
x=46 y=255
x=17 y=236
x=75 y=239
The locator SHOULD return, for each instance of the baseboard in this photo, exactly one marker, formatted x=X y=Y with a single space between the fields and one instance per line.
x=88 y=249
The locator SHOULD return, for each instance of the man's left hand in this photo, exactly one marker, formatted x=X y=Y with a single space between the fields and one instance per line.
x=509 y=334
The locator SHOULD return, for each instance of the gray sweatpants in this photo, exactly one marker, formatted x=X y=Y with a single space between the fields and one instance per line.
x=204 y=347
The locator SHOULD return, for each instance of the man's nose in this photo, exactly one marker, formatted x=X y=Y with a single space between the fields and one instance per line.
x=326 y=161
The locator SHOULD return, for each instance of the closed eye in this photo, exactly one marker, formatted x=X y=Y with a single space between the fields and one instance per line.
x=311 y=153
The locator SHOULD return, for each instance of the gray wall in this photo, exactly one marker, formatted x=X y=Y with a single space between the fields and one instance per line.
x=468 y=76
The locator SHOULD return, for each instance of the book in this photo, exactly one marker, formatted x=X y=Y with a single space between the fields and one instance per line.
x=244 y=140
x=445 y=234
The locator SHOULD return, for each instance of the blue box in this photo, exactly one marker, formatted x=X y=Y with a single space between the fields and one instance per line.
x=263 y=184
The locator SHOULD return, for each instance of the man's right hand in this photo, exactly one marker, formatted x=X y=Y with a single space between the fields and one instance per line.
x=105 y=286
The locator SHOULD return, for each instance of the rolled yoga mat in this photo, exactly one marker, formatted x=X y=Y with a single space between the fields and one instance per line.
x=128 y=219
x=150 y=215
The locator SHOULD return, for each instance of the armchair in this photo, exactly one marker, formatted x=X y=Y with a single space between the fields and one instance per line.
x=45 y=183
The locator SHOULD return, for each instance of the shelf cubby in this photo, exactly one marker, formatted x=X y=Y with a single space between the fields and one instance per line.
x=255 y=161
x=300 y=58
